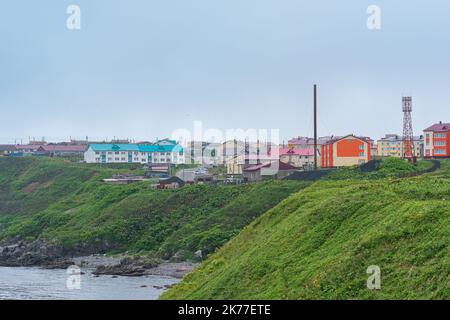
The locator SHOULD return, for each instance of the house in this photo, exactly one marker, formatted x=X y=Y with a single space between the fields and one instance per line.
x=159 y=170
x=7 y=149
x=171 y=183
x=392 y=146
x=437 y=140
x=235 y=166
x=28 y=149
x=346 y=151
x=61 y=150
x=134 y=153
x=195 y=175
x=297 y=157
x=247 y=154
x=271 y=169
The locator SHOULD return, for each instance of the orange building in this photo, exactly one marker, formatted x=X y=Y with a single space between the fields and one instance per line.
x=346 y=151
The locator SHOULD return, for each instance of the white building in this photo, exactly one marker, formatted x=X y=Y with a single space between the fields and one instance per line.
x=133 y=153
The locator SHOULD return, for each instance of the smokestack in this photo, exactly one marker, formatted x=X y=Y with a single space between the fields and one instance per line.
x=315 y=127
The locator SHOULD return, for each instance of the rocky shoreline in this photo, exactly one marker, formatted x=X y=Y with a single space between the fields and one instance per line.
x=41 y=254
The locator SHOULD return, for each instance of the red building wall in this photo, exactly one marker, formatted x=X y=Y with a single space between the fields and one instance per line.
x=437 y=147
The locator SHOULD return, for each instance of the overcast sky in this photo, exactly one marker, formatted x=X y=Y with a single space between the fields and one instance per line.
x=143 y=68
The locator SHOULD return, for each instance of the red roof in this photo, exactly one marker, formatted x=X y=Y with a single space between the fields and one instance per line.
x=33 y=147
x=296 y=151
x=281 y=166
x=62 y=148
x=439 y=127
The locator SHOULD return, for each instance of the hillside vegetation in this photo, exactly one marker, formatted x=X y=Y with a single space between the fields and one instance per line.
x=319 y=242
x=67 y=203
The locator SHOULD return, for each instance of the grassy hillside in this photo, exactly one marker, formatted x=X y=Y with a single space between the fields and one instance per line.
x=66 y=203
x=319 y=242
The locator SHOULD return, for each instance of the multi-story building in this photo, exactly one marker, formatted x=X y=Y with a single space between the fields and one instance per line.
x=203 y=153
x=437 y=140
x=134 y=153
x=392 y=146
x=297 y=157
x=346 y=151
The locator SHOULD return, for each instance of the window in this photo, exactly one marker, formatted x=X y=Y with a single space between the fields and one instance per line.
x=97 y=152
x=362 y=154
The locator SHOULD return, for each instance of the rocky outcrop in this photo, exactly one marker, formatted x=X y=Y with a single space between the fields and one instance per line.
x=130 y=267
x=142 y=266
x=43 y=254
x=36 y=253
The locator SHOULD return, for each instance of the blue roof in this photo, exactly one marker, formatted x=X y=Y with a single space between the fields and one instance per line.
x=135 y=147
x=114 y=147
x=157 y=148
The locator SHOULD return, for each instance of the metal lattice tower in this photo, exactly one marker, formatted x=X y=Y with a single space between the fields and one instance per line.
x=408 y=136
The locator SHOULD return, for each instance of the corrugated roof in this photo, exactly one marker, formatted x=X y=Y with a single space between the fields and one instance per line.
x=296 y=151
x=439 y=127
x=32 y=147
x=114 y=147
x=62 y=148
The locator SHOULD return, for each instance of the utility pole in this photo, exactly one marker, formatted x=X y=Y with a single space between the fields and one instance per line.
x=315 y=127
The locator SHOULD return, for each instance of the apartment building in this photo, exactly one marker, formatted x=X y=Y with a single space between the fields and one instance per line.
x=346 y=151
x=437 y=140
x=134 y=153
x=392 y=146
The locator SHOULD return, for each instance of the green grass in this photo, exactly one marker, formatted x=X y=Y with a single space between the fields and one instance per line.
x=69 y=204
x=388 y=168
x=319 y=242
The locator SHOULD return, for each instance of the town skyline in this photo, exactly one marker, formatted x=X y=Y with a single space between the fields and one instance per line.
x=142 y=70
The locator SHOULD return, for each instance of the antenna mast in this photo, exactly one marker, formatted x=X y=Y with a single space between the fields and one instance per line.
x=408 y=136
